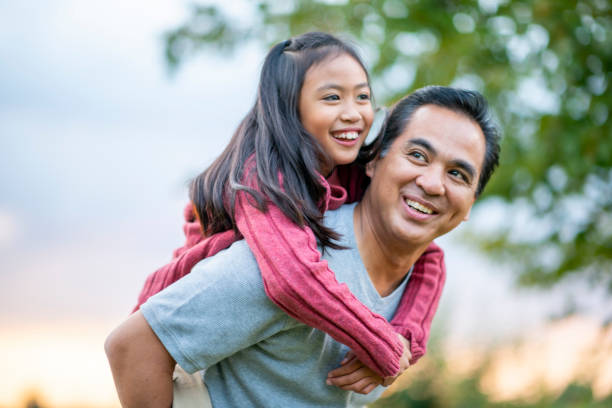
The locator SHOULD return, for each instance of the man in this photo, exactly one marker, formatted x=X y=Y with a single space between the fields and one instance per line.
x=433 y=159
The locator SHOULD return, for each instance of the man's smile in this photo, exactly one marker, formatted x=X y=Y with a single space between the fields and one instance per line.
x=418 y=206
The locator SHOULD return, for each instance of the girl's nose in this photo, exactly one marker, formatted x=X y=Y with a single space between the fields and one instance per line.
x=350 y=113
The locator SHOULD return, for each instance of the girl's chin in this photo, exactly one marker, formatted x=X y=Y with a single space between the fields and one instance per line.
x=341 y=160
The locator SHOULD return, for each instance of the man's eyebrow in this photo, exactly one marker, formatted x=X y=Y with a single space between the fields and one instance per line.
x=423 y=143
x=462 y=164
x=341 y=88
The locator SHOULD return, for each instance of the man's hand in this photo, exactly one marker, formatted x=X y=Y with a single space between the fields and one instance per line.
x=353 y=375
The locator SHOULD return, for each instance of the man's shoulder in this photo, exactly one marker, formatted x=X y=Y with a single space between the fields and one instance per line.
x=216 y=310
x=238 y=255
x=235 y=268
x=341 y=220
x=226 y=284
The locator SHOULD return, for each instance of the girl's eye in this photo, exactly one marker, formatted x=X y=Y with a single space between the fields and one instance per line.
x=364 y=97
x=331 y=98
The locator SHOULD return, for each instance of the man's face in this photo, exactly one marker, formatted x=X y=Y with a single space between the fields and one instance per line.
x=426 y=183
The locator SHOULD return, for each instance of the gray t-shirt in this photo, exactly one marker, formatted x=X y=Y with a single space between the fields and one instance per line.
x=219 y=318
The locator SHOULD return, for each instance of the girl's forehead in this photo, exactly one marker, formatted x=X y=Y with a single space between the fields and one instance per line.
x=337 y=65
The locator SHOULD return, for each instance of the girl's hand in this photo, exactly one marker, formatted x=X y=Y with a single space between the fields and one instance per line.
x=353 y=375
x=404 y=361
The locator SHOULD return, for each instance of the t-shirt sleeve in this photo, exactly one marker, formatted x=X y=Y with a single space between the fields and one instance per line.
x=217 y=310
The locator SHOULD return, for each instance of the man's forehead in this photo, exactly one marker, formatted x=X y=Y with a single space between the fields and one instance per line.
x=432 y=114
x=442 y=130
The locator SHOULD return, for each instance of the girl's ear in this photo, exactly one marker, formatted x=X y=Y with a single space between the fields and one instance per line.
x=370 y=167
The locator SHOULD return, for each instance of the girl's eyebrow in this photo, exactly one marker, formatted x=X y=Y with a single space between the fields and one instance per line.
x=462 y=164
x=341 y=88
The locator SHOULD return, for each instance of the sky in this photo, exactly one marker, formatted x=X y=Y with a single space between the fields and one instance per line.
x=98 y=141
x=97 y=144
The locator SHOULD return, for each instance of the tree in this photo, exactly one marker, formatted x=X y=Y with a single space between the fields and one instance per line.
x=545 y=66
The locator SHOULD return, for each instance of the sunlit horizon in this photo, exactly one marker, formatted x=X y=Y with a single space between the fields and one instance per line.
x=62 y=364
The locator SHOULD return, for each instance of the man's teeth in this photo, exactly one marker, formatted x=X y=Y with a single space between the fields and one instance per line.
x=347 y=135
x=419 y=207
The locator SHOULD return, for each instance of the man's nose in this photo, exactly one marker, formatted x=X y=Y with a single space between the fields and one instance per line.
x=432 y=181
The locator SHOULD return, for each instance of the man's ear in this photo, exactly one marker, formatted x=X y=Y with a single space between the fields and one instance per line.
x=467 y=215
x=370 y=167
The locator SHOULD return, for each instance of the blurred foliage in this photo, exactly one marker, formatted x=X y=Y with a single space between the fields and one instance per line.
x=544 y=65
x=466 y=394
x=447 y=379
x=33 y=404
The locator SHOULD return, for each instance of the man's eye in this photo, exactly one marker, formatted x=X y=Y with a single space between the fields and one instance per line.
x=458 y=174
x=417 y=155
x=331 y=98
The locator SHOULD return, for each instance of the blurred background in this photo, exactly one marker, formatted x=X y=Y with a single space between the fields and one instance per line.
x=107 y=109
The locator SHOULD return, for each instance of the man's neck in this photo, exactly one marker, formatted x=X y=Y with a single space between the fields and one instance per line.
x=386 y=260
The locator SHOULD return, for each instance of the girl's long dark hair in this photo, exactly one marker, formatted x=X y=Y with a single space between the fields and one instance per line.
x=273 y=135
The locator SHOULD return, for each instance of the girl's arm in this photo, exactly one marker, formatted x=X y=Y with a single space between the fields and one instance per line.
x=423 y=298
x=300 y=283
x=420 y=300
x=192 y=230
x=412 y=320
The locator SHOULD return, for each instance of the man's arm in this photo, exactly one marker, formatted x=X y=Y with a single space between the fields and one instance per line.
x=141 y=366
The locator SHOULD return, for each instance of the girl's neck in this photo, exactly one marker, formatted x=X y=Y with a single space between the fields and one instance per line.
x=326 y=170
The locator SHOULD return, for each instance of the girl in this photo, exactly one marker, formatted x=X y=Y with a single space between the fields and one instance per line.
x=312 y=114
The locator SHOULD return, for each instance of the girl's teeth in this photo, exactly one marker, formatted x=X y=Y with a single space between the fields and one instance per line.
x=347 y=135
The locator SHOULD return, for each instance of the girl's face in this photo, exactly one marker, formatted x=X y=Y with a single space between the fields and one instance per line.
x=335 y=107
